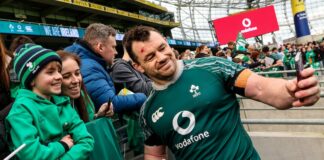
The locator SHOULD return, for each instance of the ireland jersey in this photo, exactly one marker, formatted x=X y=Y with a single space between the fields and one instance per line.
x=197 y=116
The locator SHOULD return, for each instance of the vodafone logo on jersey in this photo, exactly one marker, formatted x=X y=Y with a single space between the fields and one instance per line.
x=250 y=23
x=184 y=131
x=189 y=128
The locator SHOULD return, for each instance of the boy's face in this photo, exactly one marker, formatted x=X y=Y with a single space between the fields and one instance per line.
x=48 y=81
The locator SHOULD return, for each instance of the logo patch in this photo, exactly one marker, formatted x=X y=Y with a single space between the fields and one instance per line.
x=30 y=66
x=192 y=122
x=157 y=115
x=195 y=90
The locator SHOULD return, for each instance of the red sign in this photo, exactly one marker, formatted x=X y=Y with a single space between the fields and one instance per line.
x=251 y=24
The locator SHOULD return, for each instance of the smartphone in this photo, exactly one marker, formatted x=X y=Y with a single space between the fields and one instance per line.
x=299 y=66
x=109 y=101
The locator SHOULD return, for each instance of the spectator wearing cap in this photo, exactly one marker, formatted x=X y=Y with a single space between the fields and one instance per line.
x=39 y=118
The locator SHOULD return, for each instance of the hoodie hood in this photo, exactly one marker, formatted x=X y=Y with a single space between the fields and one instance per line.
x=28 y=94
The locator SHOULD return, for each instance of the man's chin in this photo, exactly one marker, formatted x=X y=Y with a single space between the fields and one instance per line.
x=168 y=76
x=109 y=63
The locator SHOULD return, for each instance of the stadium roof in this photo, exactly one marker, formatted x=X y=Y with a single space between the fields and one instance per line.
x=194 y=16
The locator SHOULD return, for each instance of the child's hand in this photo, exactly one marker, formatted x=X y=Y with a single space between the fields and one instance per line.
x=68 y=140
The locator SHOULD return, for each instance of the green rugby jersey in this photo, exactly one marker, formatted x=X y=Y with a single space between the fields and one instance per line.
x=197 y=116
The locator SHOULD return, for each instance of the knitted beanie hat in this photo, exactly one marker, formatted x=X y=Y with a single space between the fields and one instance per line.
x=29 y=61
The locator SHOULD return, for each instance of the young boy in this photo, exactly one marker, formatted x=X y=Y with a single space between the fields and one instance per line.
x=45 y=122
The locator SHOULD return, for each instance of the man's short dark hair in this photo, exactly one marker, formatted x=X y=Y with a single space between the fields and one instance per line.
x=230 y=43
x=265 y=49
x=273 y=49
x=138 y=33
x=247 y=46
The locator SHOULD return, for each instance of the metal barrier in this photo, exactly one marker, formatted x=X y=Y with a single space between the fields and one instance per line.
x=284 y=121
x=285 y=71
x=272 y=108
x=241 y=97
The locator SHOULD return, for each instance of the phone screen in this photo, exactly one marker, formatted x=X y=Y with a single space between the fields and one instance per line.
x=299 y=65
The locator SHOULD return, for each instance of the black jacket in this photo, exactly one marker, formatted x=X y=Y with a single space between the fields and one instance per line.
x=124 y=75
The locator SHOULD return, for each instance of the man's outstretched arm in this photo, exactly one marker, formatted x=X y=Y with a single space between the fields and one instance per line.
x=284 y=94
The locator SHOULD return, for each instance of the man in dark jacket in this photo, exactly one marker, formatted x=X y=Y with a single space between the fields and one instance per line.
x=97 y=50
x=124 y=75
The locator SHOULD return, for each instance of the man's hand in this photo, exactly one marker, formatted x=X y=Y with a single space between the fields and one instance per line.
x=306 y=91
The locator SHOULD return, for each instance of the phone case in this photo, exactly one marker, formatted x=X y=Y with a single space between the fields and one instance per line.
x=299 y=65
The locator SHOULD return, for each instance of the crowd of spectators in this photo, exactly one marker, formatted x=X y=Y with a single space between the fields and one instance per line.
x=85 y=82
x=264 y=58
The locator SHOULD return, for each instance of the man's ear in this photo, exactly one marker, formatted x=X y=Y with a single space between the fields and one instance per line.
x=138 y=67
x=32 y=83
x=97 y=47
x=100 y=47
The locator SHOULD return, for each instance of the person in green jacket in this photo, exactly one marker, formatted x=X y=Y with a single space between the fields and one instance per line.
x=39 y=118
x=311 y=58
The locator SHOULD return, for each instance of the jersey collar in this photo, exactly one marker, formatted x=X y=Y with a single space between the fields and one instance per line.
x=177 y=74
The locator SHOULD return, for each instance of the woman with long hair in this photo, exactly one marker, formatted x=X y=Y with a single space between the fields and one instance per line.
x=74 y=88
x=5 y=58
x=5 y=98
x=202 y=51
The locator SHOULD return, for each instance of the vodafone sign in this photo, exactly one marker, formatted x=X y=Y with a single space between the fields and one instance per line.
x=251 y=24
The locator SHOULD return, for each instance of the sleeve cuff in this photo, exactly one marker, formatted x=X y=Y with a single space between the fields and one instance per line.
x=66 y=147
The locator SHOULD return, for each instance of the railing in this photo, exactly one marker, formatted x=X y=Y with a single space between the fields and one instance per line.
x=284 y=121
x=319 y=71
x=241 y=97
x=285 y=71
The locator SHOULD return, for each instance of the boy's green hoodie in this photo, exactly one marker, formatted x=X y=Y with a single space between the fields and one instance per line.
x=40 y=124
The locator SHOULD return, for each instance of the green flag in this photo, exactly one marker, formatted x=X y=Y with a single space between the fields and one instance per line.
x=240 y=43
